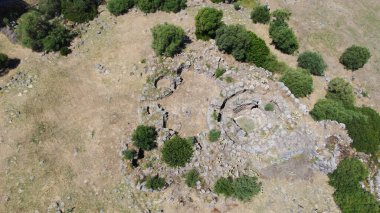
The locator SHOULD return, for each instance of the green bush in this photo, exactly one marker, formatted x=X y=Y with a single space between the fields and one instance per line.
x=118 y=7
x=214 y=135
x=191 y=178
x=173 y=5
x=79 y=10
x=355 y=57
x=273 y=65
x=237 y=6
x=148 y=6
x=155 y=183
x=340 y=90
x=3 y=61
x=242 y=44
x=327 y=109
x=269 y=107
x=219 y=72
x=224 y=186
x=282 y=15
x=349 y=195
x=168 y=39
x=32 y=29
x=283 y=37
x=299 y=82
x=365 y=130
x=260 y=14
x=313 y=62
x=58 y=38
x=258 y=51
x=246 y=187
x=50 y=8
x=177 y=151
x=129 y=154
x=144 y=137
x=207 y=22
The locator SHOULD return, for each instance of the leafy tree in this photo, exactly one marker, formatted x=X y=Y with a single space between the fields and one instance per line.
x=177 y=152
x=214 y=135
x=282 y=15
x=50 y=8
x=283 y=37
x=168 y=39
x=355 y=57
x=246 y=187
x=207 y=21
x=32 y=29
x=144 y=137
x=3 y=61
x=148 y=6
x=258 y=51
x=224 y=186
x=173 y=5
x=341 y=90
x=129 y=154
x=79 y=10
x=233 y=39
x=260 y=14
x=155 y=183
x=313 y=62
x=349 y=195
x=118 y=7
x=299 y=82
x=191 y=178
x=58 y=38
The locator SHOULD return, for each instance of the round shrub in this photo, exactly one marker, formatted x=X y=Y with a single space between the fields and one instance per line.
x=269 y=107
x=177 y=152
x=118 y=7
x=313 y=62
x=207 y=21
x=144 y=137
x=260 y=14
x=299 y=82
x=58 y=38
x=129 y=154
x=214 y=135
x=355 y=57
x=282 y=15
x=79 y=10
x=246 y=187
x=155 y=183
x=50 y=8
x=168 y=39
x=148 y=6
x=191 y=178
x=283 y=37
x=224 y=186
x=32 y=29
x=237 y=6
x=173 y=5
x=341 y=90
x=3 y=61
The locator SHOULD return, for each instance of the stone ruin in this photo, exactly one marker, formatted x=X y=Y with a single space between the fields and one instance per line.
x=252 y=139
